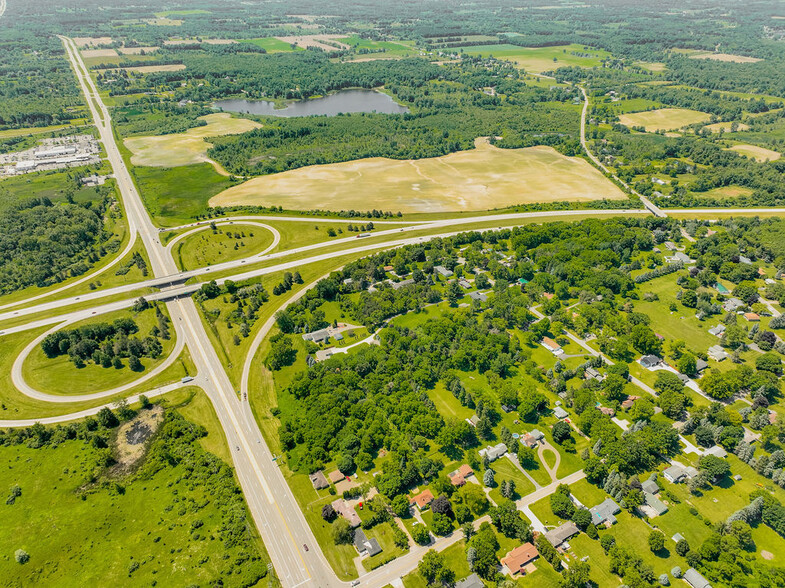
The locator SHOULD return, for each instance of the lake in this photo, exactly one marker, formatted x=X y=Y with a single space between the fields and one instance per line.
x=344 y=101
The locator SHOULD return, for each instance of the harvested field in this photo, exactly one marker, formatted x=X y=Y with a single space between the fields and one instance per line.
x=92 y=41
x=665 y=119
x=317 y=41
x=756 y=153
x=163 y=22
x=186 y=148
x=136 y=50
x=728 y=192
x=726 y=126
x=540 y=59
x=205 y=41
x=481 y=179
x=152 y=68
x=727 y=57
x=88 y=53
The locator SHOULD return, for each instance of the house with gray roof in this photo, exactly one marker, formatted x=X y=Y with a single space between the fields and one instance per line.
x=561 y=533
x=478 y=296
x=320 y=336
x=674 y=473
x=732 y=304
x=560 y=413
x=472 y=581
x=716 y=451
x=493 y=453
x=717 y=353
x=701 y=365
x=650 y=486
x=365 y=546
x=652 y=506
x=442 y=271
x=650 y=361
x=717 y=331
x=604 y=513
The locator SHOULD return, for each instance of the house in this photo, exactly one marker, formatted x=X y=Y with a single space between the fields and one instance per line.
x=551 y=345
x=650 y=361
x=528 y=441
x=607 y=410
x=674 y=473
x=745 y=260
x=650 y=486
x=548 y=295
x=320 y=336
x=605 y=512
x=537 y=434
x=652 y=506
x=732 y=305
x=670 y=246
x=658 y=181
x=717 y=353
x=682 y=257
x=422 y=500
x=335 y=476
x=338 y=337
x=677 y=537
x=473 y=420
x=458 y=477
x=464 y=283
x=319 y=480
x=472 y=581
x=402 y=284
x=443 y=271
x=493 y=453
x=592 y=374
x=717 y=331
x=364 y=546
x=560 y=413
x=507 y=408
x=694 y=579
x=478 y=296
x=520 y=557
x=701 y=365
x=716 y=451
x=690 y=472
x=561 y=533
x=344 y=509
x=753 y=317
x=388 y=268
x=627 y=404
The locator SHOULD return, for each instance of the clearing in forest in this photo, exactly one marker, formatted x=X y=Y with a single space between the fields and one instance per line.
x=756 y=153
x=664 y=119
x=484 y=178
x=540 y=59
x=189 y=147
x=145 y=69
x=727 y=57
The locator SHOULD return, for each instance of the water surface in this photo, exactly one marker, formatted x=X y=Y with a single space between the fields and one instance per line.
x=344 y=101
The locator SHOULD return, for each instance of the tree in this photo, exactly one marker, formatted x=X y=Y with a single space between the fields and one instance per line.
x=342 y=531
x=714 y=467
x=134 y=364
x=576 y=576
x=432 y=567
x=717 y=385
x=282 y=352
x=561 y=432
x=400 y=506
x=21 y=556
x=107 y=419
x=441 y=524
x=561 y=504
x=421 y=535
x=144 y=401
x=454 y=293
x=441 y=505
x=488 y=478
x=682 y=547
x=613 y=386
x=485 y=545
x=508 y=520
x=475 y=499
x=769 y=362
x=595 y=470
x=656 y=541
x=328 y=513
x=687 y=364
x=607 y=541
x=644 y=340
x=582 y=518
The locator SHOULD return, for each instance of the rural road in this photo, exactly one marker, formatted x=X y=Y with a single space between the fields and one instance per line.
x=280 y=521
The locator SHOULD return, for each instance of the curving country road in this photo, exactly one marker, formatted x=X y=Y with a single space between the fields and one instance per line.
x=272 y=505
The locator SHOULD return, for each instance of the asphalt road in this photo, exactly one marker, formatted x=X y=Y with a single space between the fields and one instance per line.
x=271 y=502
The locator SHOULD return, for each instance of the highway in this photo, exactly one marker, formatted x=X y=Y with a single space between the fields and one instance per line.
x=280 y=521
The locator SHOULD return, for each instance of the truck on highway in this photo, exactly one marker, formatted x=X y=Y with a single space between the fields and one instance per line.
x=361 y=235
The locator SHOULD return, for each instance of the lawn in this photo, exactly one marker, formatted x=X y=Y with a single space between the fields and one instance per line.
x=175 y=196
x=98 y=536
x=665 y=119
x=227 y=243
x=479 y=179
x=540 y=59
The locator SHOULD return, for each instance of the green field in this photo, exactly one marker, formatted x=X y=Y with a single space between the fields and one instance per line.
x=207 y=248
x=540 y=59
x=664 y=119
x=378 y=49
x=167 y=13
x=273 y=45
x=60 y=376
x=125 y=531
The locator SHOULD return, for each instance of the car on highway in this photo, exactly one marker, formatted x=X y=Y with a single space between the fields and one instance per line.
x=305 y=547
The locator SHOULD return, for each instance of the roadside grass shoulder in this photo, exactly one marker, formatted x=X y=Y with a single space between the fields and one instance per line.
x=227 y=243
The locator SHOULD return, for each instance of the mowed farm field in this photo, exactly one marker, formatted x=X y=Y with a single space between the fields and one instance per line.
x=185 y=148
x=756 y=153
x=540 y=59
x=664 y=119
x=480 y=179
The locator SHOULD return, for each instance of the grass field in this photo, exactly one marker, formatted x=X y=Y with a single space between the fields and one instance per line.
x=59 y=375
x=167 y=13
x=97 y=538
x=175 y=195
x=757 y=153
x=729 y=192
x=726 y=127
x=664 y=119
x=273 y=45
x=144 y=69
x=380 y=49
x=479 y=179
x=206 y=248
x=540 y=59
x=185 y=148
x=727 y=57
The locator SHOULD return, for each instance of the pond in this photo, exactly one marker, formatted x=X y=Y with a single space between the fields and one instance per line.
x=344 y=101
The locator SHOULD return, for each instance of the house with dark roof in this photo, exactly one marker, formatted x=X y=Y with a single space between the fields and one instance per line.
x=365 y=546
x=650 y=361
x=319 y=480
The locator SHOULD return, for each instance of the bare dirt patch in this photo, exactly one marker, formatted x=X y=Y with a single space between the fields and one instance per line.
x=163 y=22
x=194 y=40
x=766 y=554
x=152 y=68
x=481 y=179
x=133 y=437
x=189 y=147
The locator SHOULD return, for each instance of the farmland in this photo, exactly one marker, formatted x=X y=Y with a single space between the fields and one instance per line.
x=663 y=119
x=540 y=59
